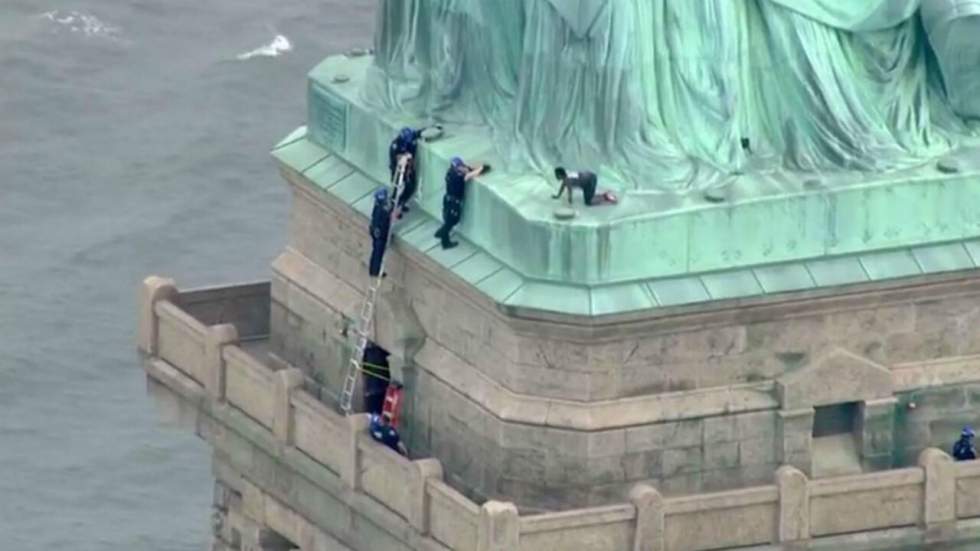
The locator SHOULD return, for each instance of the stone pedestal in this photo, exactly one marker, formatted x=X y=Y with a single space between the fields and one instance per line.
x=876 y=433
x=499 y=528
x=794 y=438
x=794 y=507
x=939 y=509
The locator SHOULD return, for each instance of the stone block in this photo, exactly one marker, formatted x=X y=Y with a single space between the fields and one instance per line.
x=940 y=490
x=716 y=480
x=720 y=429
x=286 y=381
x=551 y=353
x=549 y=382
x=681 y=460
x=794 y=505
x=682 y=484
x=224 y=496
x=720 y=455
x=758 y=474
x=756 y=451
x=800 y=335
x=357 y=426
x=153 y=290
x=908 y=347
x=216 y=338
x=499 y=528
x=673 y=434
x=606 y=443
x=844 y=325
x=937 y=402
x=794 y=438
x=565 y=470
x=423 y=470
x=649 y=534
x=643 y=465
x=760 y=424
x=838 y=376
x=521 y=436
x=526 y=464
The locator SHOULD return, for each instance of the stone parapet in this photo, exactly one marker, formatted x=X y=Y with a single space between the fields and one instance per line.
x=412 y=506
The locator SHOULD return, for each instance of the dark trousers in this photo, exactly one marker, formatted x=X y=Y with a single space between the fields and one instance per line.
x=411 y=186
x=377 y=253
x=588 y=189
x=452 y=212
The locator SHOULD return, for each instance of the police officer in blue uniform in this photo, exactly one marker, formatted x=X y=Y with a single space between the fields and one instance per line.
x=963 y=449
x=457 y=176
x=382 y=431
x=405 y=143
x=380 y=226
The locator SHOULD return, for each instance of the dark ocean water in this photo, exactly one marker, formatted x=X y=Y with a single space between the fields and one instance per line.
x=132 y=142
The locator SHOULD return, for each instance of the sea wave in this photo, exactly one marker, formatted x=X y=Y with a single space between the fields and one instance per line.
x=279 y=45
x=83 y=23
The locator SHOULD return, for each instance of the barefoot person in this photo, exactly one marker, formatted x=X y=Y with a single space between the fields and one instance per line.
x=587 y=182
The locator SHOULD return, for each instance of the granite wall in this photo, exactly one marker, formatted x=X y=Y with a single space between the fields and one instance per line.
x=552 y=413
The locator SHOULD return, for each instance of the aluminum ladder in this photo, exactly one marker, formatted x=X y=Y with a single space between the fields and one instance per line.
x=363 y=331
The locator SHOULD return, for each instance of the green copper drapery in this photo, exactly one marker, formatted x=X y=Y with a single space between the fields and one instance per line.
x=661 y=93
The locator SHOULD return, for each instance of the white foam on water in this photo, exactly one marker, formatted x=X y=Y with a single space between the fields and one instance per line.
x=82 y=23
x=279 y=45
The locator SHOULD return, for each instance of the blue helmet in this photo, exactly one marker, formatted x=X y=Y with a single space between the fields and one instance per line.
x=967 y=432
x=456 y=162
x=406 y=134
x=381 y=194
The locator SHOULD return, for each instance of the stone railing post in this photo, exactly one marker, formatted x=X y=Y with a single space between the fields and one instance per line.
x=649 y=535
x=424 y=469
x=357 y=426
x=794 y=506
x=216 y=339
x=154 y=290
x=939 y=508
x=285 y=381
x=500 y=528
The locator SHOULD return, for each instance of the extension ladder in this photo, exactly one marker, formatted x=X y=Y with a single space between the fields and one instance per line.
x=363 y=331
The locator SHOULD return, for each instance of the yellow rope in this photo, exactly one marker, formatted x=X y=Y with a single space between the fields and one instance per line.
x=369 y=373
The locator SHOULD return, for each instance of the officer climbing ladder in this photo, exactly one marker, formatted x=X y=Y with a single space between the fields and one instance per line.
x=365 y=320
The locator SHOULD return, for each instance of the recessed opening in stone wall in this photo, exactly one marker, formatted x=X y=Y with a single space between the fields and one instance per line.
x=835 y=451
x=376 y=377
x=834 y=419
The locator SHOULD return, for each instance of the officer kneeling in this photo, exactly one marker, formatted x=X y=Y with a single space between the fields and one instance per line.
x=382 y=431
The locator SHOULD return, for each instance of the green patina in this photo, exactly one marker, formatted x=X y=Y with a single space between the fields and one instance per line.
x=868 y=172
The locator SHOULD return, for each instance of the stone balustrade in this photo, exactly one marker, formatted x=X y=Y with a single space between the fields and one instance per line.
x=205 y=364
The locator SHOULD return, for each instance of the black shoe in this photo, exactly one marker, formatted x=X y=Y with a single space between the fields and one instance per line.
x=438 y=234
x=449 y=244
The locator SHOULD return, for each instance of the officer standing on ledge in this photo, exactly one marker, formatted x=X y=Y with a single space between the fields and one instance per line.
x=457 y=176
x=963 y=449
x=380 y=226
